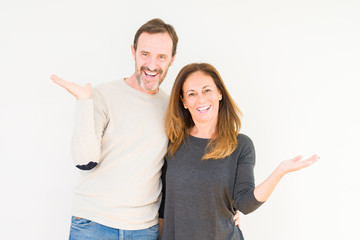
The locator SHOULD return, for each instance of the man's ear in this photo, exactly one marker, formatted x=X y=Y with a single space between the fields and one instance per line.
x=172 y=59
x=133 y=50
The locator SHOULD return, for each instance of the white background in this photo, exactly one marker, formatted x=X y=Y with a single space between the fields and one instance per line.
x=292 y=67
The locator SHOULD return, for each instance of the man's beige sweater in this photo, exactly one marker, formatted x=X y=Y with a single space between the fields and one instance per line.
x=119 y=143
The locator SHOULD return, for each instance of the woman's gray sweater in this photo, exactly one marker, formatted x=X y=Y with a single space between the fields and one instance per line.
x=201 y=195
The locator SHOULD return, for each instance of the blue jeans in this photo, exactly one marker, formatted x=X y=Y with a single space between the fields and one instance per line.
x=83 y=229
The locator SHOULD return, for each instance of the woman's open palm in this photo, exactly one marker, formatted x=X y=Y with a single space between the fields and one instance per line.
x=296 y=164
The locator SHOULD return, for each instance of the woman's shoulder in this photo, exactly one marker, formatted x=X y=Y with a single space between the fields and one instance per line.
x=242 y=138
x=245 y=148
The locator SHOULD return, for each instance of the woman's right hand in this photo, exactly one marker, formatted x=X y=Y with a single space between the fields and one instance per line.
x=80 y=92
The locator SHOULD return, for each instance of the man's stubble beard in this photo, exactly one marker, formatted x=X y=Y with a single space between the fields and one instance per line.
x=140 y=80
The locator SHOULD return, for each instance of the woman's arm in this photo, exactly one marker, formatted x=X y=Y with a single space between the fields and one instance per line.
x=162 y=205
x=161 y=223
x=247 y=197
x=263 y=191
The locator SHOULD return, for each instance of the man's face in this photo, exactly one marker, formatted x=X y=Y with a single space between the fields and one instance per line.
x=152 y=60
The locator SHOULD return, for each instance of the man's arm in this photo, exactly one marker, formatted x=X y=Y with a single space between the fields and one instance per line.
x=90 y=123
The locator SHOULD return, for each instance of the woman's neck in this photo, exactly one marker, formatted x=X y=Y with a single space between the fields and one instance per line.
x=204 y=130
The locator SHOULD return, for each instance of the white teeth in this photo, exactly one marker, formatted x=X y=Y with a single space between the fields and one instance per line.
x=203 y=108
x=151 y=74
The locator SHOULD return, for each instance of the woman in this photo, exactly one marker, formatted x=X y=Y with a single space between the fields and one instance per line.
x=209 y=165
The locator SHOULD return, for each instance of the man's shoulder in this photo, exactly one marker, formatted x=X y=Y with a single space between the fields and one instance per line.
x=104 y=92
x=108 y=86
x=163 y=94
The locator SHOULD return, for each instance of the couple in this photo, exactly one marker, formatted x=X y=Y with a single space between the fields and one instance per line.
x=120 y=141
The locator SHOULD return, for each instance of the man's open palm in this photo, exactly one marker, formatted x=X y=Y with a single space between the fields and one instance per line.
x=80 y=92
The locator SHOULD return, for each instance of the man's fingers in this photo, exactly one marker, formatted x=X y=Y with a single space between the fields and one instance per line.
x=59 y=81
x=56 y=79
x=69 y=86
x=80 y=92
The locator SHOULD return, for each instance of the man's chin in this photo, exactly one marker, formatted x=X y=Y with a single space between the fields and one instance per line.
x=149 y=87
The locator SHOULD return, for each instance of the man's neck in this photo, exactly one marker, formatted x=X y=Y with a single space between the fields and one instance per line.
x=132 y=82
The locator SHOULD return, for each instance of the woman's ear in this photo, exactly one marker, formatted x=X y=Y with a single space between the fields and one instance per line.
x=183 y=102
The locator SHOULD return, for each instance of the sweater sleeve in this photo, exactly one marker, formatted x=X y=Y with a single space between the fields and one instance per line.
x=90 y=123
x=163 y=190
x=244 y=198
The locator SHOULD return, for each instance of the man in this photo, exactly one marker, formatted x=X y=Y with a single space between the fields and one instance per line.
x=119 y=143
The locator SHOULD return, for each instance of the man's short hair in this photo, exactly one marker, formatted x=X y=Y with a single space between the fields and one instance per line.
x=157 y=25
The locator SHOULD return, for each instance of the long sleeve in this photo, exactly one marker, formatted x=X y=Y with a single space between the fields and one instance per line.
x=90 y=122
x=163 y=190
x=201 y=194
x=244 y=198
x=113 y=134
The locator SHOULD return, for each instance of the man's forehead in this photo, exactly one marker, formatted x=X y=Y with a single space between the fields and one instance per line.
x=155 y=42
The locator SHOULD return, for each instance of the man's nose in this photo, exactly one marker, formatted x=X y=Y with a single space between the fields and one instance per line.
x=152 y=64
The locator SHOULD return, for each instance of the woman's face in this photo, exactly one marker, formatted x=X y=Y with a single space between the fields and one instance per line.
x=201 y=97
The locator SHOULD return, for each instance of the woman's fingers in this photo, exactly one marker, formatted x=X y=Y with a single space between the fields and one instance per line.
x=297 y=158
x=311 y=160
x=296 y=164
x=236 y=218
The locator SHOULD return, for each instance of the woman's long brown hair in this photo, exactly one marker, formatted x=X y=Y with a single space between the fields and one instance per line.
x=178 y=120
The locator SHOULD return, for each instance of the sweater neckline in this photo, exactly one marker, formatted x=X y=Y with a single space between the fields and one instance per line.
x=137 y=92
x=199 y=139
